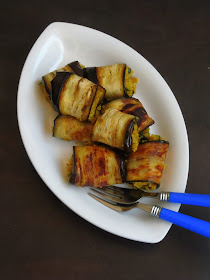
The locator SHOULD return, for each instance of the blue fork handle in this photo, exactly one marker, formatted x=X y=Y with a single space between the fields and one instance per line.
x=196 y=225
x=190 y=198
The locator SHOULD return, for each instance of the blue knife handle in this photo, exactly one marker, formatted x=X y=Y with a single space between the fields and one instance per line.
x=190 y=198
x=196 y=225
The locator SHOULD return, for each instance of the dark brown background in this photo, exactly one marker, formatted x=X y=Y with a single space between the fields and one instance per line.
x=40 y=238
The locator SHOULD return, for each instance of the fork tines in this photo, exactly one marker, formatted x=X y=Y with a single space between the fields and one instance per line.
x=108 y=193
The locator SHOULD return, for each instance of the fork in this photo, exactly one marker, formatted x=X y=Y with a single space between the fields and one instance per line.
x=196 y=225
x=127 y=196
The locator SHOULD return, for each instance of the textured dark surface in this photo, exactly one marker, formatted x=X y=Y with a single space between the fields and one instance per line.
x=40 y=238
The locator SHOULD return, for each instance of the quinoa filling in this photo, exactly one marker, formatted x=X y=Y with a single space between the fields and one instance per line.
x=145 y=186
x=130 y=82
x=145 y=136
x=135 y=138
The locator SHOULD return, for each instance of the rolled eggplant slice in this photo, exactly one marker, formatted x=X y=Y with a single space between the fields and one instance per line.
x=116 y=79
x=117 y=129
x=76 y=96
x=69 y=128
x=133 y=107
x=96 y=166
x=74 y=66
x=144 y=168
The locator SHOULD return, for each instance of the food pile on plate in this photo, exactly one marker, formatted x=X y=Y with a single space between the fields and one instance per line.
x=96 y=106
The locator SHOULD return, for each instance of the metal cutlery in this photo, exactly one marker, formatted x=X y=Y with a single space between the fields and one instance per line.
x=196 y=225
x=127 y=196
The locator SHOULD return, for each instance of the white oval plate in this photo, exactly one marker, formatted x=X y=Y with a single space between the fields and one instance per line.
x=59 y=44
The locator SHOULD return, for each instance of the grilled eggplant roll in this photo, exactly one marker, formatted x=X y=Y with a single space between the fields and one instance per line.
x=71 y=67
x=69 y=128
x=116 y=79
x=133 y=107
x=144 y=168
x=118 y=130
x=96 y=166
x=76 y=96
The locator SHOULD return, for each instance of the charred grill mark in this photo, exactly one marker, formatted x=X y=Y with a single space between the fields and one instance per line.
x=88 y=170
x=99 y=155
x=86 y=166
x=159 y=167
x=79 y=135
x=127 y=106
x=90 y=158
x=136 y=110
x=129 y=100
x=101 y=165
x=140 y=112
x=85 y=106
